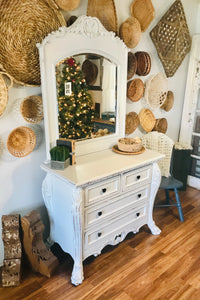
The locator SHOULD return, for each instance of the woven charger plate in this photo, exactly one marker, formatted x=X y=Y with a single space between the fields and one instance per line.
x=105 y=11
x=68 y=5
x=130 y=32
x=21 y=141
x=144 y=11
x=156 y=90
x=147 y=119
x=132 y=122
x=4 y=92
x=23 y=24
x=135 y=89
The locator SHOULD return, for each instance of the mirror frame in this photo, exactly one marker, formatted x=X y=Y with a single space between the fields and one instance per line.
x=85 y=35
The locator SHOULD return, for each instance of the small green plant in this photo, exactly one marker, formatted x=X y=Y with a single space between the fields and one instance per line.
x=59 y=153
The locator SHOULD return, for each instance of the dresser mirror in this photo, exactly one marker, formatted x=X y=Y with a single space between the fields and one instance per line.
x=83 y=80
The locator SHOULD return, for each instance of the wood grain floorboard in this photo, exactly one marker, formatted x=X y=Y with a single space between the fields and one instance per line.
x=142 y=267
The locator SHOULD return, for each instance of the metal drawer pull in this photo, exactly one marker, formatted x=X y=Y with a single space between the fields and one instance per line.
x=99 y=234
x=100 y=213
x=103 y=190
x=137 y=214
x=139 y=195
x=138 y=177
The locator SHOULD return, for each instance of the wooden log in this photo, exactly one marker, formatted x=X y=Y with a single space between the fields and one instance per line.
x=41 y=258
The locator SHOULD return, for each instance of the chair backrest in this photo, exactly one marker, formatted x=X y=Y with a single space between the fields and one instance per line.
x=161 y=143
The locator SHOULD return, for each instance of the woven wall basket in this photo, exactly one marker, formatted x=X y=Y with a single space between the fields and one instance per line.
x=132 y=122
x=171 y=38
x=147 y=119
x=90 y=71
x=143 y=10
x=156 y=90
x=4 y=91
x=21 y=141
x=31 y=109
x=130 y=32
x=143 y=63
x=67 y=5
x=132 y=65
x=169 y=102
x=105 y=11
x=22 y=25
x=161 y=125
x=135 y=89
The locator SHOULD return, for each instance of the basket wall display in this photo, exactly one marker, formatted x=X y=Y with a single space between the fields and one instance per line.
x=68 y=5
x=161 y=125
x=144 y=11
x=171 y=38
x=23 y=24
x=90 y=72
x=21 y=141
x=135 y=89
x=130 y=32
x=132 y=122
x=132 y=65
x=4 y=91
x=147 y=119
x=105 y=11
x=169 y=102
x=143 y=63
x=156 y=90
x=31 y=109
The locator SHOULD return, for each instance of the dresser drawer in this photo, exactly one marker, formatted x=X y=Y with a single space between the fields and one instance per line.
x=102 y=190
x=109 y=209
x=114 y=231
x=133 y=179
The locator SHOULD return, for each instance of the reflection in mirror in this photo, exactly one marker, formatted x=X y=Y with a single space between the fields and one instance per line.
x=86 y=95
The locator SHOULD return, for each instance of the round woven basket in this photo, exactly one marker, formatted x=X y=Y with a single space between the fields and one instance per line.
x=161 y=125
x=132 y=122
x=130 y=32
x=21 y=141
x=143 y=63
x=67 y=5
x=23 y=24
x=144 y=11
x=156 y=90
x=4 y=91
x=90 y=71
x=147 y=119
x=129 y=145
x=132 y=65
x=31 y=109
x=135 y=89
x=169 y=102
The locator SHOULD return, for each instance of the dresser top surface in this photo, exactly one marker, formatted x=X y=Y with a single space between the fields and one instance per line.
x=96 y=166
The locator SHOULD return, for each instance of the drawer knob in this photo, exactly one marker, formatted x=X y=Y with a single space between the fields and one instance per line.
x=99 y=234
x=138 y=177
x=137 y=214
x=103 y=190
x=139 y=195
x=100 y=213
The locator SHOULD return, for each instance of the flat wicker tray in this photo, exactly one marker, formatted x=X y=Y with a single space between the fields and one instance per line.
x=22 y=25
x=171 y=38
x=144 y=11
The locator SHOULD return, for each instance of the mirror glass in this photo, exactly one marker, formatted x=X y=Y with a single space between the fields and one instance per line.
x=86 y=96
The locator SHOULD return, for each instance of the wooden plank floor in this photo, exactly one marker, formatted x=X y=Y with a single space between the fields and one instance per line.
x=143 y=266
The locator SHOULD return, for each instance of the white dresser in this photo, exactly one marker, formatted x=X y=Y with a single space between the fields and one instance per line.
x=99 y=201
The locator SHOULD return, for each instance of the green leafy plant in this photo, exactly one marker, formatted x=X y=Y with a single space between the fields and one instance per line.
x=59 y=153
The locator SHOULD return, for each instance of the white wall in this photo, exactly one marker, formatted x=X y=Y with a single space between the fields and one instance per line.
x=21 y=179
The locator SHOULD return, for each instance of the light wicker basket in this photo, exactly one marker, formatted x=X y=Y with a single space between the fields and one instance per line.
x=130 y=32
x=23 y=24
x=21 y=141
x=31 y=109
x=135 y=89
x=169 y=102
x=147 y=119
x=156 y=90
x=67 y=5
x=161 y=125
x=105 y=11
x=132 y=122
x=129 y=144
x=4 y=91
x=144 y=11
x=132 y=65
